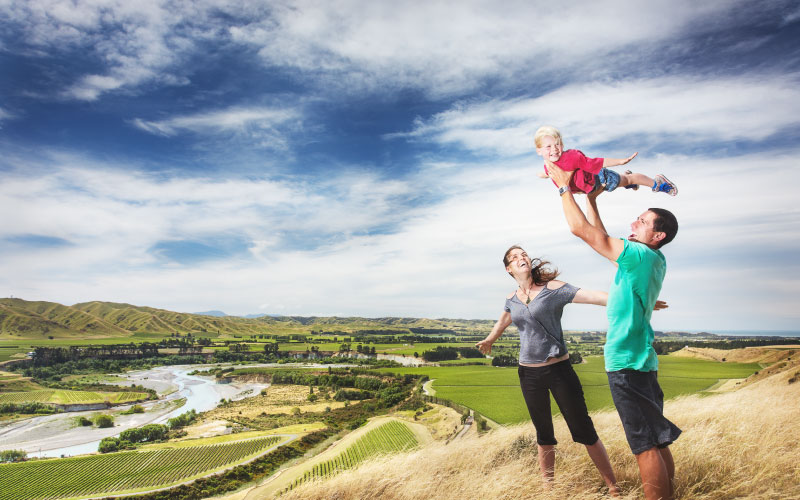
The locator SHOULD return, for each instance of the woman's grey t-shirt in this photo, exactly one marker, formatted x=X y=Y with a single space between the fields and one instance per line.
x=539 y=323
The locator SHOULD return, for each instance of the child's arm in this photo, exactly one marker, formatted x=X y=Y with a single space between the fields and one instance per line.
x=616 y=162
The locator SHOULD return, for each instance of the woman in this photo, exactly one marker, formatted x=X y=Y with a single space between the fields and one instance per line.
x=535 y=309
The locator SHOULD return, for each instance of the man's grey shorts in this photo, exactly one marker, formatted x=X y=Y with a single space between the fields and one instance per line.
x=640 y=404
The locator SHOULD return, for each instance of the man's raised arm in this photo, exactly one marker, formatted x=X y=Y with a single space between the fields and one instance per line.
x=594 y=235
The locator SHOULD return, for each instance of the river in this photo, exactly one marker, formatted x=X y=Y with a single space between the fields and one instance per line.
x=59 y=435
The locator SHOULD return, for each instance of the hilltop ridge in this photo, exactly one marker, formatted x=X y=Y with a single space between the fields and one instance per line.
x=22 y=319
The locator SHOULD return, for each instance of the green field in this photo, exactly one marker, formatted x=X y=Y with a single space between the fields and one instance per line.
x=495 y=391
x=387 y=438
x=57 y=396
x=419 y=348
x=124 y=472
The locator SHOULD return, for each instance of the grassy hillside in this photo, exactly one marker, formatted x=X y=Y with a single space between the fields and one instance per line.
x=38 y=320
x=21 y=319
x=740 y=444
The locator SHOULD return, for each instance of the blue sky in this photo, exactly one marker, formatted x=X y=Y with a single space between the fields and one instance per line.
x=376 y=159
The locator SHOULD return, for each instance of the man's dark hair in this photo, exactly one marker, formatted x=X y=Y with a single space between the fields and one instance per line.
x=665 y=222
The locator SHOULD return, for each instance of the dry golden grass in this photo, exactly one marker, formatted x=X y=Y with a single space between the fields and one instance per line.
x=741 y=444
x=766 y=355
x=278 y=399
x=442 y=422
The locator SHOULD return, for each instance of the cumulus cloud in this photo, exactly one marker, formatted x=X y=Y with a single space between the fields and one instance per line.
x=133 y=43
x=439 y=259
x=685 y=109
x=352 y=45
x=445 y=51
x=112 y=217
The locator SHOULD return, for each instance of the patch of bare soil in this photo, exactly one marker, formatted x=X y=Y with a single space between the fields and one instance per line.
x=208 y=429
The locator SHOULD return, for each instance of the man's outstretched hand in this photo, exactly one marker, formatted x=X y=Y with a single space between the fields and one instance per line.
x=560 y=177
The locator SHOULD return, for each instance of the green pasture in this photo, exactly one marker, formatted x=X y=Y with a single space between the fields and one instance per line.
x=13 y=351
x=495 y=392
x=266 y=370
x=419 y=348
x=57 y=396
x=461 y=361
x=27 y=344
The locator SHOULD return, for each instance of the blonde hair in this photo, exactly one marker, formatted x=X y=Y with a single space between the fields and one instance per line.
x=545 y=131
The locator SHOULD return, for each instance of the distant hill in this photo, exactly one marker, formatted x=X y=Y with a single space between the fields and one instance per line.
x=212 y=313
x=42 y=320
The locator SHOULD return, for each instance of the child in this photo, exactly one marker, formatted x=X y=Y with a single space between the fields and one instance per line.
x=591 y=172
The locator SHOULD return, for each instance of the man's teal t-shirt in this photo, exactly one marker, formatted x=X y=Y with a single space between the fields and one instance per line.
x=629 y=342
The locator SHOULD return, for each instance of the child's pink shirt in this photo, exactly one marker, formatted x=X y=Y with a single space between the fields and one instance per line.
x=587 y=170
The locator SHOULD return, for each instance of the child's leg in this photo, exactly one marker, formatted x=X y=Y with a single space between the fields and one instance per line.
x=632 y=178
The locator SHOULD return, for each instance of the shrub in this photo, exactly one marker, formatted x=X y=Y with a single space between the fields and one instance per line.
x=13 y=456
x=350 y=395
x=133 y=409
x=104 y=421
x=503 y=360
x=109 y=444
x=183 y=419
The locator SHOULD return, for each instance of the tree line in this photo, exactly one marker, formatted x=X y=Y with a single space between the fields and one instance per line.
x=444 y=353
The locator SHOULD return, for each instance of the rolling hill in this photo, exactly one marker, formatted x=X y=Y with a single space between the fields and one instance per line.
x=36 y=320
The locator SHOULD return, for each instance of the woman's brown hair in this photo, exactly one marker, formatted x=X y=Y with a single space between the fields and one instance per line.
x=540 y=270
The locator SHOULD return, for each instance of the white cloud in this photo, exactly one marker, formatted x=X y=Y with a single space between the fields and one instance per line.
x=136 y=42
x=735 y=248
x=267 y=125
x=112 y=217
x=443 y=50
x=92 y=86
x=353 y=45
x=684 y=109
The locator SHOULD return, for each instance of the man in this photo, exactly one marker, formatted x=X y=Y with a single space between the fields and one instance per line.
x=631 y=361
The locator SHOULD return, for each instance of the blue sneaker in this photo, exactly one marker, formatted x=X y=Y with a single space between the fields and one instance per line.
x=664 y=185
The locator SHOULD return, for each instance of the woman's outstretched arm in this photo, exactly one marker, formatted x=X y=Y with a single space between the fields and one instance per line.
x=600 y=298
x=485 y=345
x=586 y=296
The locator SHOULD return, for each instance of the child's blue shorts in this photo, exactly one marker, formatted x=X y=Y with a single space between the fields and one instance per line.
x=608 y=178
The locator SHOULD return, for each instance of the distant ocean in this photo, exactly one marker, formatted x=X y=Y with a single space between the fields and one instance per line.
x=755 y=333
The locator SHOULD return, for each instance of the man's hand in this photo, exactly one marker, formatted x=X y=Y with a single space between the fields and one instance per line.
x=560 y=177
x=660 y=304
x=597 y=191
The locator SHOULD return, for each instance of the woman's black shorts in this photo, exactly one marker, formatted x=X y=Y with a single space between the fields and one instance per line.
x=561 y=380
